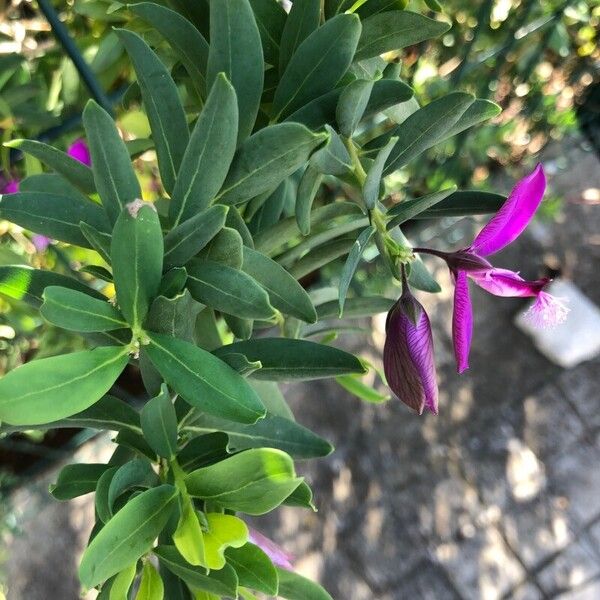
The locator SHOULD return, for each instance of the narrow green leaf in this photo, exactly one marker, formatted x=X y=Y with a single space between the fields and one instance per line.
x=77 y=480
x=114 y=176
x=285 y=293
x=479 y=111
x=372 y=186
x=102 y=507
x=226 y=289
x=172 y=282
x=188 y=537
x=426 y=127
x=226 y=248
x=295 y=587
x=54 y=216
x=151 y=584
x=163 y=106
x=72 y=170
x=202 y=451
x=463 y=203
x=272 y=398
x=53 y=388
x=373 y=7
x=236 y=50
x=302 y=496
x=203 y=380
x=352 y=263
x=317 y=112
x=254 y=482
x=317 y=65
x=307 y=190
x=254 y=568
x=184 y=38
x=321 y=256
x=98 y=240
x=411 y=209
x=353 y=384
x=51 y=183
x=77 y=311
x=270 y=18
x=385 y=94
x=159 y=424
x=137 y=255
x=392 y=30
x=119 y=590
x=174 y=316
x=235 y=221
x=288 y=359
x=128 y=535
x=272 y=206
x=352 y=104
x=302 y=20
x=267 y=158
x=134 y=474
x=356 y=308
x=208 y=155
x=333 y=158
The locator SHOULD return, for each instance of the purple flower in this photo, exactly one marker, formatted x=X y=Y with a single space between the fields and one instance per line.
x=41 y=242
x=80 y=151
x=408 y=357
x=10 y=187
x=278 y=556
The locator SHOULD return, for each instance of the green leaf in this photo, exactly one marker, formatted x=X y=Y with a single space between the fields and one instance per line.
x=226 y=289
x=479 y=111
x=288 y=359
x=114 y=176
x=356 y=308
x=463 y=203
x=23 y=283
x=372 y=7
x=223 y=531
x=267 y=158
x=53 y=388
x=174 y=316
x=128 y=535
x=236 y=50
x=163 y=106
x=395 y=29
x=136 y=473
x=208 y=155
x=317 y=65
x=301 y=21
x=54 y=216
x=254 y=568
x=270 y=432
x=203 y=380
x=333 y=158
x=172 y=282
x=270 y=19
x=426 y=127
x=223 y=582
x=385 y=94
x=272 y=398
x=159 y=424
x=184 y=38
x=285 y=293
x=202 y=451
x=151 y=584
x=103 y=511
x=188 y=537
x=317 y=112
x=97 y=272
x=119 y=589
x=302 y=496
x=307 y=190
x=352 y=104
x=352 y=263
x=98 y=240
x=354 y=385
x=295 y=587
x=372 y=185
x=254 y=482
x=77 y=480
x=321 y=256
x=72 y=170
x=77 y=311
x=51 y=183
x=421 y=278
x=137 y=255
x=411 y=209
x=226 y=248
x=136 y=442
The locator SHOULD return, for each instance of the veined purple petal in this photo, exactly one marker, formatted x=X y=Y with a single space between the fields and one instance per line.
x=506 y=283
x=514 y=216
x=462 y=322
x=408 y=356
x=277 y=555
x=79 y=151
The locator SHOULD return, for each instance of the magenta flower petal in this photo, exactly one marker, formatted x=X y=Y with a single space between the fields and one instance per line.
x=502 y=282
x=79 y=151
x=548 y=311
x=278 y=556
x=11 y=187
x=408 y=356
x=41 y=242
x=514 y=216
x=462 y=322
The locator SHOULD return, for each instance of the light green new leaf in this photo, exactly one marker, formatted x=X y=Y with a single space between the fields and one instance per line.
x=289 y=359
x=254 y=568
x=224 y=531
x=159 y=424
x=295 y=587
x=77 y=311
x=114 y=176
x=317 y=65
x=53 y=388
x=203 y=380
x=52 y=215
x=267 y=158
x=128 y=535
x=351 y=263
x=392 y=30
x=72 y=170
x=352 y=104
x=372 y=185
x=301 y=21
x=163 y=106
x=188 y=537
x=354 y=385
x=137 y=257
x=208 y=155
x=236 y=50
x=307 y=190
x=285 y=293
x=151 y=584
x=119 y=589
x=184 y=38
x=254 y=482
x=228 y=290
x=77 y=480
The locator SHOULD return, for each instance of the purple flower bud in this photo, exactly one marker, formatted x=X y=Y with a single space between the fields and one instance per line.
x=278 y=556
x=10 y=187
x=408 y=357
x=79 y=151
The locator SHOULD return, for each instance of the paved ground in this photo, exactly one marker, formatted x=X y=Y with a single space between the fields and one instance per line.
x=498 y=497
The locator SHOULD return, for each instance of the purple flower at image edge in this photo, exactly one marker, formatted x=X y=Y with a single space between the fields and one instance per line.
x=79 y=151
x=10 y=187
x=278 y=556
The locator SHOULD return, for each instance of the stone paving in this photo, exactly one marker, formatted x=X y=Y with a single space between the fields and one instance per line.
x=498 y=497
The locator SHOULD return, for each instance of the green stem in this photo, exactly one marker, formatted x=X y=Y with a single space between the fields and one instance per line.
x=357 y=167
